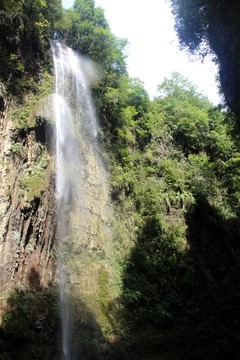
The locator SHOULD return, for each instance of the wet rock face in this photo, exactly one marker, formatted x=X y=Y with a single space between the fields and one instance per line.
x=92 y=200
x=84 y=225
x=38 y=230
x=27 y=214
x=29 y=234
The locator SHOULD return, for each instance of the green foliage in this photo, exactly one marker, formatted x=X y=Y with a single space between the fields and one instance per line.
x=175 y=184
x=192 y=33
x=32 y=184
x=25 y=27
x=24 y=113
x=29 y=311
x=33 y=180
x=179 y=191
x=87 y=31
x=32 y=320
x=16 y=148
x=209 y=24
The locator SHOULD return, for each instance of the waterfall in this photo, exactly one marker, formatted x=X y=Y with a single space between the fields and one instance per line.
x=75 y=140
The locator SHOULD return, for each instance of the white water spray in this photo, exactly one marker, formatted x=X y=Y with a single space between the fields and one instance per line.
x=75 y=131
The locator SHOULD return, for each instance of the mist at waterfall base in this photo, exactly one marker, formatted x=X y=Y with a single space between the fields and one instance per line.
x=75 y=137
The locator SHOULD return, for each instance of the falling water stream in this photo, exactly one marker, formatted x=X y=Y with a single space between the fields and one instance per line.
x=75 y=135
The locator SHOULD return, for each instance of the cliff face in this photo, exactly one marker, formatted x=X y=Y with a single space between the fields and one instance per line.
x=26 y=202
x=36 y=230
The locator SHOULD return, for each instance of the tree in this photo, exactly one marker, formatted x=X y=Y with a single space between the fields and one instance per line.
x=212 y=25
x=186 y=113
x=88 y=32
x=25 y=27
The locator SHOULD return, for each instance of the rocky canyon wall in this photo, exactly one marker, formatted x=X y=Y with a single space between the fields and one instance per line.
x=27 y=220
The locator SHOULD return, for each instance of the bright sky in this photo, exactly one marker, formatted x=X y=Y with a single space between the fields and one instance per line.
x=153 y=51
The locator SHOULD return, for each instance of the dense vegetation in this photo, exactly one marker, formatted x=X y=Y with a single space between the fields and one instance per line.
x=25 y=27
x=178 y=183
x=175 y=186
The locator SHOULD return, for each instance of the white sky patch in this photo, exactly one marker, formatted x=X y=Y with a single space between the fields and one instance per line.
x=153 y=51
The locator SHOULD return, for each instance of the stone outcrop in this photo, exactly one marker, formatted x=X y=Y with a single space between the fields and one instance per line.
x=27 y=214
x=43 y=239
x=33 y=224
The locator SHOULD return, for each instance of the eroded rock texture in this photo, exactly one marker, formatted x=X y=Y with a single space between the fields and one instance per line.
x=27 y=220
